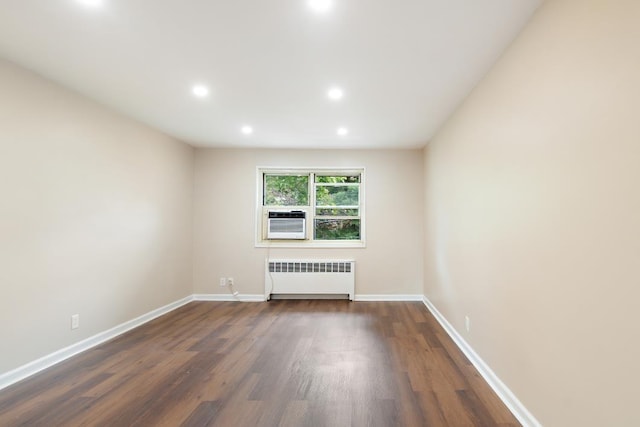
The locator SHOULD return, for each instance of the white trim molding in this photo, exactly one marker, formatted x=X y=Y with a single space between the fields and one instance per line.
x=503 y=392
x=387 y=297
x=56 y=357
x=229 y=297
x=309 y=241
x=510 y=400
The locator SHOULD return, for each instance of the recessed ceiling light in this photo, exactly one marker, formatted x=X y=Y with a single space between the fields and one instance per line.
x=247 y=130
x=320 y=6
x=200 y=91
x=91 y=3
x=335 y=93
x=342 y=131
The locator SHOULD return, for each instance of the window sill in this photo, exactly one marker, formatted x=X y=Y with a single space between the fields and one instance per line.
x=310 y=244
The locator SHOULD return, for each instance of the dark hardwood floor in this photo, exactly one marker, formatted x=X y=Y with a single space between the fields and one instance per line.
x=281 y=363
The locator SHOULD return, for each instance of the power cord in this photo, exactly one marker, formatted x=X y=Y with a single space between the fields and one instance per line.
x=233 y=291
x=267 y=261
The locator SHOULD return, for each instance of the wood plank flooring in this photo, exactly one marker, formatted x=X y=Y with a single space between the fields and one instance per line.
x=281 y=363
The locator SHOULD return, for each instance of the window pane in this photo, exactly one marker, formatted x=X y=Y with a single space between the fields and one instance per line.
x=337 y=212
x=327 y=195
x=338 y=179
x=337 y=229
x=286 y=190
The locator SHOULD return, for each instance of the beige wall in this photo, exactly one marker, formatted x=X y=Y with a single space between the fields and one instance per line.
x=529 y=199
x=95 y=218
x=224 y=222
x=533 y=206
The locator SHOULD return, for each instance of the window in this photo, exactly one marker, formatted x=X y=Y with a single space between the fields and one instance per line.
x=337 y=207
x=331 y=200
x=286 y=190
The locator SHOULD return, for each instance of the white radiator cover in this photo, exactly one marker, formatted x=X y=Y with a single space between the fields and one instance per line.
x=309 y=277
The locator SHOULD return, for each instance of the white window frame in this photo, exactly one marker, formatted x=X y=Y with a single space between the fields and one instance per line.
x=309 y=242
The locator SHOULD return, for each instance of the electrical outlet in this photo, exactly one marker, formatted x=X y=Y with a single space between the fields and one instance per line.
x=230 y=281
x=467 y=323
x=75 y=321
x=223 y=281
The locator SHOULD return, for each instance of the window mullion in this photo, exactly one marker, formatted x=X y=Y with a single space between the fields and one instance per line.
x=311 y=223
x=312 y=183
x=337 y=184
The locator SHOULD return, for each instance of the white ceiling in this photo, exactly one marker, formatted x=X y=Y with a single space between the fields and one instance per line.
x=404 y=65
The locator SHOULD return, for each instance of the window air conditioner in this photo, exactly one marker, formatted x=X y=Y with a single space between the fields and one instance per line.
x=286 y=225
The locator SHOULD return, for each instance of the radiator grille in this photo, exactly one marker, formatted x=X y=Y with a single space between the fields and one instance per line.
x=310 y=267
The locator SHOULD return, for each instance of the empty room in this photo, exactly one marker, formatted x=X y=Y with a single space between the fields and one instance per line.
x=319 y=213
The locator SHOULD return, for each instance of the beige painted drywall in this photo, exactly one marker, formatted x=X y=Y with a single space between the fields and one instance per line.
x=533 y=215
x=95 y=218
x=225 y=205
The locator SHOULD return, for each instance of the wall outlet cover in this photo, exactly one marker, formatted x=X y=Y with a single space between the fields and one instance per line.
x=75 y=321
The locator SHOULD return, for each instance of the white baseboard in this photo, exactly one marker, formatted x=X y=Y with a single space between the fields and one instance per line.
x=38 y=365
x=229 y=297
x=387 y=297
x=503 y=392
x=510 y=400
x=261 y=298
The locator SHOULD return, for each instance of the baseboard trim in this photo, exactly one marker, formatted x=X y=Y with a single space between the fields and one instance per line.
x=56 y=357
x=229 y=297
x=503 y=392
x=387 y=297
x=261 y=297
x=508 y=398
